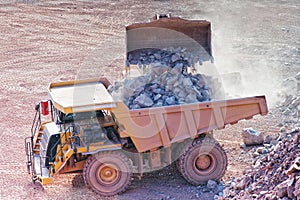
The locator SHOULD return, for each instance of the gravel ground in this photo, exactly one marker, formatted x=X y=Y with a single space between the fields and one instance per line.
x=44 y=41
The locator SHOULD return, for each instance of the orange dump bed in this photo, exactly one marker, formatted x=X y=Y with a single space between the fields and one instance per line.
x=150 y=128
x=156 y=127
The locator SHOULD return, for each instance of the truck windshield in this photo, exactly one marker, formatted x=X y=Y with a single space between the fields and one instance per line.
x=82 y=116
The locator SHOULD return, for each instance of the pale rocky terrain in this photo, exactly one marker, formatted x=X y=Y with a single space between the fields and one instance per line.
x=46 y=41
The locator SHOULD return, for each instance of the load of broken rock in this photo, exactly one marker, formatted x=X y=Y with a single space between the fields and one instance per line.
x=171 y=57
x=275 y=173
x=166 y=81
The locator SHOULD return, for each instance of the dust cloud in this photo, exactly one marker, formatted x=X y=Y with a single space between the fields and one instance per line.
x=252 y=55
x=252 y=75
x=248 y=78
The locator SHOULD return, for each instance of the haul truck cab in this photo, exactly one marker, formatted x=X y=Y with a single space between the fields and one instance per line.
x=79 y=123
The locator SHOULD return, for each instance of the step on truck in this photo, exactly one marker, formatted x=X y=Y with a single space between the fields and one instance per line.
x=81 y=128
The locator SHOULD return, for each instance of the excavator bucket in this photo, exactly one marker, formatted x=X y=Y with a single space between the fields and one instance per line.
x=164 y=32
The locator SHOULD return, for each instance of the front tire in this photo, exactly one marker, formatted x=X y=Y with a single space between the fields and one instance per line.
x=108 y=173
x=203 y=160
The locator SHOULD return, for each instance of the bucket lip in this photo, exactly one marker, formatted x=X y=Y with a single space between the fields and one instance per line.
x=169 y=22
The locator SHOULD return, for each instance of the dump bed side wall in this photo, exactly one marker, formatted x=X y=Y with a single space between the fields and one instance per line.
x=155 y=127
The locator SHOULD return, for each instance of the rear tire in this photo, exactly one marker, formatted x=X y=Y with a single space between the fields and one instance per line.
x=203 y=160
x=108 y=173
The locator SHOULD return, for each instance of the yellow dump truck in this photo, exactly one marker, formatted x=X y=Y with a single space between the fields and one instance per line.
x=81 y=128
x=88 y=131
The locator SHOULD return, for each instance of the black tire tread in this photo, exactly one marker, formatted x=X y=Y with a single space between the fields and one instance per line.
x=197 y=143
x=92 y=159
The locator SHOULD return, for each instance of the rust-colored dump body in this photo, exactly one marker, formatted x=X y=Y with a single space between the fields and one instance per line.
x=194 y=35
x=159 y=127
x=150 y=128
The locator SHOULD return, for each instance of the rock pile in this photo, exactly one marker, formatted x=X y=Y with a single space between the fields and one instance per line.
x=171 y=57
x=275 y=174
x=151 y=95
x=164 y=86
x=167 y=81
x=214 y=187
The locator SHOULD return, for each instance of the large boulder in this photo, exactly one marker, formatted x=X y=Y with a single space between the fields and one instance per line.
x=252 y=137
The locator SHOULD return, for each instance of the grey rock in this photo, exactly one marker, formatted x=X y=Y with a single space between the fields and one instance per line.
x=252 y=137
x=171 y=80
x=264 y=151
x=205 y=95
x=268 y=139
x=186 y=82
x=154 y=86
x=280 y=124
x=268 y=146
x=181 y=94
x=288 y=100
x=158 y=69
x=137 y=91
x=177 y=83
x=296 y=102
x=177 y=69
x=157 y=91
x=159 y=104
x=136 y=106
x=282 y=129
x=177 y=90
x=156 y=97
x=130 y=86
x=171 y=100
x=260 y=150
x=191 y=98
x=220 y=188
x=144 y=101
x=211 y=184
x=243 y=183
x=157 y=56
x=256 y=154
x=175 y=57
x=139 y=63
x=287 y=111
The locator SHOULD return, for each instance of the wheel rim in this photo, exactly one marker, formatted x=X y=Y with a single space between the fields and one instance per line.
x=108 y=174
x=204 y=164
